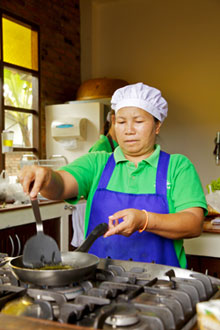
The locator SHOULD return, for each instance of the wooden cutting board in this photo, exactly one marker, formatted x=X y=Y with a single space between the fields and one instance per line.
x=9 y=322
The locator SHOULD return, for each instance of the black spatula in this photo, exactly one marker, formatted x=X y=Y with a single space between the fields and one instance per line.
x=40 y=249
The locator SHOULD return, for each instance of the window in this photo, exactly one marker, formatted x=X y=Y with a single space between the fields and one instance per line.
x=19 y=83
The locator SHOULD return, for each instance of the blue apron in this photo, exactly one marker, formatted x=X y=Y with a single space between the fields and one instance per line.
x=145 y=246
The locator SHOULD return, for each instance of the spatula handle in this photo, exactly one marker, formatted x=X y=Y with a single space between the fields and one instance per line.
x=36 y=210
x=98 y=231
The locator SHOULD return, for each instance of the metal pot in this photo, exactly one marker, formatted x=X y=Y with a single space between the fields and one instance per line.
x=82 y=265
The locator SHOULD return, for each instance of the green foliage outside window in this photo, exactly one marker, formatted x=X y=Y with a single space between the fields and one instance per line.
x=18 y=93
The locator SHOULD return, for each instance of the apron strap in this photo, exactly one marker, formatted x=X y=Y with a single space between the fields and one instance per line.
x=107 y=172
x=161 y=179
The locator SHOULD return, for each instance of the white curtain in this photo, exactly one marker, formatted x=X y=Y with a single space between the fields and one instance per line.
x=78 y=222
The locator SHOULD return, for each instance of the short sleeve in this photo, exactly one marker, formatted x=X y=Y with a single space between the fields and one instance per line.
x=185 y=185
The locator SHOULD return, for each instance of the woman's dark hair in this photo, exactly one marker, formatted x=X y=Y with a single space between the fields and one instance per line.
x=106 y=127
x=108 y=123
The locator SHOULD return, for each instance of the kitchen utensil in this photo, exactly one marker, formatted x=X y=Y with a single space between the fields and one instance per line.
x=40 y=249
x=98 y=231
x=82 y=264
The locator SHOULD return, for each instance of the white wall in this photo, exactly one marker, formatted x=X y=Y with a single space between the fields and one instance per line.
x=172 y=45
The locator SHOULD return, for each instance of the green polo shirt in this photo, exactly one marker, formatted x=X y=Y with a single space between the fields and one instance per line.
x=103 y=144
x=184 y=189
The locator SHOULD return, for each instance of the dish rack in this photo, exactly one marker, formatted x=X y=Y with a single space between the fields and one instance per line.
x=53 y=162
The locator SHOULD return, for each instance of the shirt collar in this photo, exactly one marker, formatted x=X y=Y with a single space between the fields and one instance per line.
x=152 y=159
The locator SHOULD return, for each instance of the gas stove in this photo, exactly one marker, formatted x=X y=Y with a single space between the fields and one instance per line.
x=118 y=294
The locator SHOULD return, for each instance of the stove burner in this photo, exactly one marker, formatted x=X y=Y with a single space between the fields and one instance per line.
x=124 y=315
x=120 y=295
x=163 y=284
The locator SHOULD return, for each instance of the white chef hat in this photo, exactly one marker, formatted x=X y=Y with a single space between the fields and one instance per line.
x=141 y=96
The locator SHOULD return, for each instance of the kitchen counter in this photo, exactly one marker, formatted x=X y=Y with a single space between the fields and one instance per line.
x=13 y=207
x=209 y=228
x=208 y=244
x=19 y=215
x=26 y=323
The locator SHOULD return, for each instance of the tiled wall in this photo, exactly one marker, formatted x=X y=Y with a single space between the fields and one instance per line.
x=59 y=22
x=12 y=162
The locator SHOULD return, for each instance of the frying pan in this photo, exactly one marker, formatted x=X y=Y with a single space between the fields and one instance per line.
x=83 y=264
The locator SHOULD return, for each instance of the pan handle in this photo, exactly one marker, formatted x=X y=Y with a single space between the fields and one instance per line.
x=98 y=231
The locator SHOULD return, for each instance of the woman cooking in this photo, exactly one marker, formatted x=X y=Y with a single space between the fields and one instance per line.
x=151 y=199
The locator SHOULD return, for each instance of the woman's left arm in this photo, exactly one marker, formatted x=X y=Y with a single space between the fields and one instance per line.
x=184 y=224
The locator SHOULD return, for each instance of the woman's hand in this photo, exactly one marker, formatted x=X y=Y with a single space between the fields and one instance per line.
x=187 y=223
x=132 y=220
x=54 y=185
x=34 y=178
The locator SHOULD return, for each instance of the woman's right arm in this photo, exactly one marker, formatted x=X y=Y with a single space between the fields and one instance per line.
x=54 y=185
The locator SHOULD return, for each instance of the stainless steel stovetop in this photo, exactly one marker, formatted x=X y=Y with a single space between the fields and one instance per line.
x=120 y=295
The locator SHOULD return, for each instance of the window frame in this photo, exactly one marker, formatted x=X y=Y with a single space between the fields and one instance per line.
x=36 y=73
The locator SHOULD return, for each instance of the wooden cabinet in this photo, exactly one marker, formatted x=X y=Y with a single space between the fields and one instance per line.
x=205 y=265
x=12 y=239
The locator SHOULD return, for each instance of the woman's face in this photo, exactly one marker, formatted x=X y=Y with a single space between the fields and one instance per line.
x=136 y=131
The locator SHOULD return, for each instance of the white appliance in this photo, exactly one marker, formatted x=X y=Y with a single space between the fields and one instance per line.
x=64 y=137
